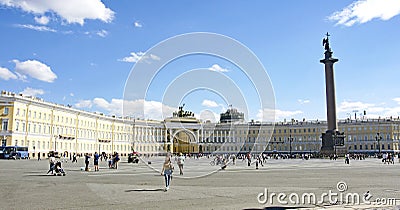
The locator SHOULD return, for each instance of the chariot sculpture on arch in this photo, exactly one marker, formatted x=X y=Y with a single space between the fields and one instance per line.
x=182 y=113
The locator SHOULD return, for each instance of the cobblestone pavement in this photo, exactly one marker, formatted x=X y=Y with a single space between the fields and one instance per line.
x=25 y=185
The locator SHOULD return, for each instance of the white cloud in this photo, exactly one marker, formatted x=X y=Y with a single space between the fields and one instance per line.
x=348 y=107
x=138 y=108
x=6 y=74
x=44 y=20
x=140 y=57
x=36 y=28
x=373 y=110
x=72 y=11
x=71 y=94
x=270 y=115
x=209 y=103
x=32 y=92
x=363 y=11
x=217 y=68
x=301 y=101
x=34 y=69
x=135 y=57
x=102 y=33
x=207 y=115
x=137 y=24
x=68 y=32
x=396 y=100
x=154 y=57
x=84 y=104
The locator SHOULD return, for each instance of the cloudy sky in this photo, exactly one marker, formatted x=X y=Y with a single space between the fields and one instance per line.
x=81 y=52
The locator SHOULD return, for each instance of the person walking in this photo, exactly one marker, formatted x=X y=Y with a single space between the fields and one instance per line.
x=87 y=157
x=64 y=158
x=259 y=159
x=38 y=156
x=116 y=160
x=347 y=159
x=96 y=161
x=167 y=170
x=110 y=162
x=248 y=159
x=74 y=158
x=398 y=156
x=181 y=161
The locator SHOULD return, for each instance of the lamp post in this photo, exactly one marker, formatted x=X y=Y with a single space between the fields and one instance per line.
x=55 y=143
x=4 y=141
x=290 y=145
x=334 y=142
x=378 y=138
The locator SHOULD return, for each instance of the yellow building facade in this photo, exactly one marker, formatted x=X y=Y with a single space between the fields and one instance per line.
x=43 y=127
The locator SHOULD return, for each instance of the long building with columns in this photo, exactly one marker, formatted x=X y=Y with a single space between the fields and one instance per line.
x=44 y=127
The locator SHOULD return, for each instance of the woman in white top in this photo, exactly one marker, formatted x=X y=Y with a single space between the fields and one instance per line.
x=167 y=171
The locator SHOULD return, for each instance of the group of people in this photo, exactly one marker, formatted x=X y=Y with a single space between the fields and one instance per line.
x=388 y=158
x=55 y=166
x=96 y=157
x=112 y=160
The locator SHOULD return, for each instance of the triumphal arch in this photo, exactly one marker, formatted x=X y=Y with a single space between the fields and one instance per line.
x=183 y=132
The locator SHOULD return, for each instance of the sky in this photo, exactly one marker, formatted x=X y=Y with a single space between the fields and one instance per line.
x=84 y=53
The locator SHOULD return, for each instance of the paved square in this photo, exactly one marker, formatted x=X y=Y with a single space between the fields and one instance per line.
x=25 y=185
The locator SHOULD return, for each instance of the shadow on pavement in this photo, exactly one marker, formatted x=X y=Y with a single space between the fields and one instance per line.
x=33 y=172
x=276 y=208
x=145 y=190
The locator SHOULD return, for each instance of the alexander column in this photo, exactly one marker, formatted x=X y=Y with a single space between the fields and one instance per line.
x=332 y=137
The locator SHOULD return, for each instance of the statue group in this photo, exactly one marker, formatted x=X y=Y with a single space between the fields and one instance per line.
x=182 y=113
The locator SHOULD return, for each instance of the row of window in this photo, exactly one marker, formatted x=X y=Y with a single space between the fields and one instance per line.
x=371 y=137
x=64 y=146
x=371 y=128
x=149 y=138
x=82 y=133
x=303 y=130
x=70 y=120
x=260 y=138
x=368 y=147
x=299 y=130
x=312 y=148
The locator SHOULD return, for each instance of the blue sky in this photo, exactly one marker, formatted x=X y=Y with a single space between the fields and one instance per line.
x=81 y=53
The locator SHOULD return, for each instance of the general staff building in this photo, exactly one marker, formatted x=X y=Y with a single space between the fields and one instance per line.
x=44 y=127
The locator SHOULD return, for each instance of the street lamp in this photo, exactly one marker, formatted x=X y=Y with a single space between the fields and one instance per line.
x=378 y=138
x=335 y=139
x=55 y=142
x=290 y=145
